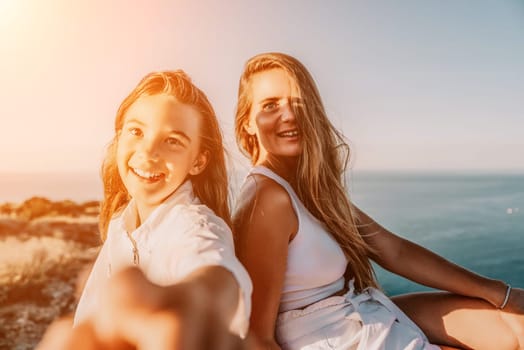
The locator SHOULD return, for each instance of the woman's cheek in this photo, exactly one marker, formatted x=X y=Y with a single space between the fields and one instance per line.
x=266 y=121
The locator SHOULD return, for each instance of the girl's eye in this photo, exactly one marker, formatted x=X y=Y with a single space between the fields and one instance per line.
x=173 y=141
x=135 y=132
x=269 y=107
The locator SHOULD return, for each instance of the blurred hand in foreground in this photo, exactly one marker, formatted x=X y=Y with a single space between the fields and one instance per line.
x=138 y=314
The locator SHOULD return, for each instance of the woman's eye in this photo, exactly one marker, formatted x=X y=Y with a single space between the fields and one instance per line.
x=269 y=107
x=299 y=103
x=135 y=132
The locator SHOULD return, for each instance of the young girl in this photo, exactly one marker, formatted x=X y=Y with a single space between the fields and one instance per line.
x=165 y=209
x=307 y=247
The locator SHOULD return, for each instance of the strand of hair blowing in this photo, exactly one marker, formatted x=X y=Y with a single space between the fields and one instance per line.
x=115 y=193
x=322 y=164
x=320 y=186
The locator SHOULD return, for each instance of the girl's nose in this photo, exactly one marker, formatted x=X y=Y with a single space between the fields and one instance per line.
x=150 y=149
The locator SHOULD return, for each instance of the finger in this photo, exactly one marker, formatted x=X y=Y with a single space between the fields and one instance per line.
x=62 y=336
x=251 y=342
x=166 y=332
x=83 y=337
x=160 y=330
x=216 y=335
x=228 y=341
x=129 y=295
x=130 y=288
x=57 y=335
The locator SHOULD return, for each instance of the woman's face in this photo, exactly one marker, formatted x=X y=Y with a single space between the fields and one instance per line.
x=271 y=118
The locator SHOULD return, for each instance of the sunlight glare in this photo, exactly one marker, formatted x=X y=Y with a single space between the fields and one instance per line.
x=9 y=12
x=7 y=8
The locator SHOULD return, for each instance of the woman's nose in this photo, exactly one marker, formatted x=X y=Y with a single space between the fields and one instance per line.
x=287 y=113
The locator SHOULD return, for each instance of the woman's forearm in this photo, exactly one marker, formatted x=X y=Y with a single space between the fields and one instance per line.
x=425 y=267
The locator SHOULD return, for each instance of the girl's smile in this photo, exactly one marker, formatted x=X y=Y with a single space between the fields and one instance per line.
x=146 y=175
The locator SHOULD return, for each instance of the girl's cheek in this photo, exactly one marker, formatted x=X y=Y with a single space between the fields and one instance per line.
x=126 y=142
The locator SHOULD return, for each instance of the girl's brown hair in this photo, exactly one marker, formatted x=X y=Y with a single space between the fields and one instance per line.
x=211 y=185
x=322 y=163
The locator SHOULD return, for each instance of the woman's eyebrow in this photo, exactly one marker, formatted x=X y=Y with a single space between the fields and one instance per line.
x=269 y=99
x=273 y=99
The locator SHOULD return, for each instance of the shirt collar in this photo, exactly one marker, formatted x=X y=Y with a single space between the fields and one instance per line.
x=182 y=195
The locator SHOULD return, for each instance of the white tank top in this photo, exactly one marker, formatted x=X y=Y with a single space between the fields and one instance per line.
x=315 y=262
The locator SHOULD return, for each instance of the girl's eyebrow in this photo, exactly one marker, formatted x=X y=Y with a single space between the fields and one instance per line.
x=174 y=131
x=133 y=120
x=181 y=134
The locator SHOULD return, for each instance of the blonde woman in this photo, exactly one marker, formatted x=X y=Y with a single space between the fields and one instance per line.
x=307 y=248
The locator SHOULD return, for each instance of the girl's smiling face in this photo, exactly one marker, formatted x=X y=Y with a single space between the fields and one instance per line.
x=272 y=118
x=158 y=148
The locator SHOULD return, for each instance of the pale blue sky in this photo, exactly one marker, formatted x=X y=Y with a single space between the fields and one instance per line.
x=426 y=85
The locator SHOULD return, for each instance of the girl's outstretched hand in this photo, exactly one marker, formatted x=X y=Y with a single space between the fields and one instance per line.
x=137 y=314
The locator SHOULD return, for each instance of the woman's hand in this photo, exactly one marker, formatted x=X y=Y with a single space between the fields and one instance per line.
x=515 y=302
x=513 y=314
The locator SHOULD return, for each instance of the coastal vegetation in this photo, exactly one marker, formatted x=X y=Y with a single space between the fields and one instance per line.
x=44 y=246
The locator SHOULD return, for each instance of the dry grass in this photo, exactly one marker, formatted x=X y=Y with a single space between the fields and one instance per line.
x=40 y=260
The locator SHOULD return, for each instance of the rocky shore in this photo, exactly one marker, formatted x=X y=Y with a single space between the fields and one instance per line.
x=44 y=245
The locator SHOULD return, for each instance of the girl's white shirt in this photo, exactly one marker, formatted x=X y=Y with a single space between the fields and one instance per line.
x=180 y=236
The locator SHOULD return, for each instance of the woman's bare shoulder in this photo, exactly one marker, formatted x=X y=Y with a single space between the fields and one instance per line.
x=263 y=203
x=262 y=191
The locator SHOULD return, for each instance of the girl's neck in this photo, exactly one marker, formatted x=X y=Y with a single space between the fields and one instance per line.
x=142 y=213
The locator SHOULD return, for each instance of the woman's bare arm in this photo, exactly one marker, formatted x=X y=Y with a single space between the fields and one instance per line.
x=264 y=223
x=421 y=265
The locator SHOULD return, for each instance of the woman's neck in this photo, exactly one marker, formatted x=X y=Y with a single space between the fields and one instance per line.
x=285 y=167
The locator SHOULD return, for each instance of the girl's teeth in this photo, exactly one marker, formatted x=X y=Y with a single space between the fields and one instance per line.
x=146 y=174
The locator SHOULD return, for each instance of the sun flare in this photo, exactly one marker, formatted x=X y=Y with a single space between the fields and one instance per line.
x=9 y=11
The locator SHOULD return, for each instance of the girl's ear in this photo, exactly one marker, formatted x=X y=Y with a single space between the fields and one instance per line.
x=200 y=163
x=249 y=127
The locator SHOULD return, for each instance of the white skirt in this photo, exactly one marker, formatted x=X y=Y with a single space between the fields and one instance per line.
x=365 y=321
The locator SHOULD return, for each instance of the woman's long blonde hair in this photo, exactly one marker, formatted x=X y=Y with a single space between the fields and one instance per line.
x=211 y=185
x=322 y=163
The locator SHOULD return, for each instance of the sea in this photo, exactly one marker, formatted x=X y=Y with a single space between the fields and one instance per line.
x=475 y=220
